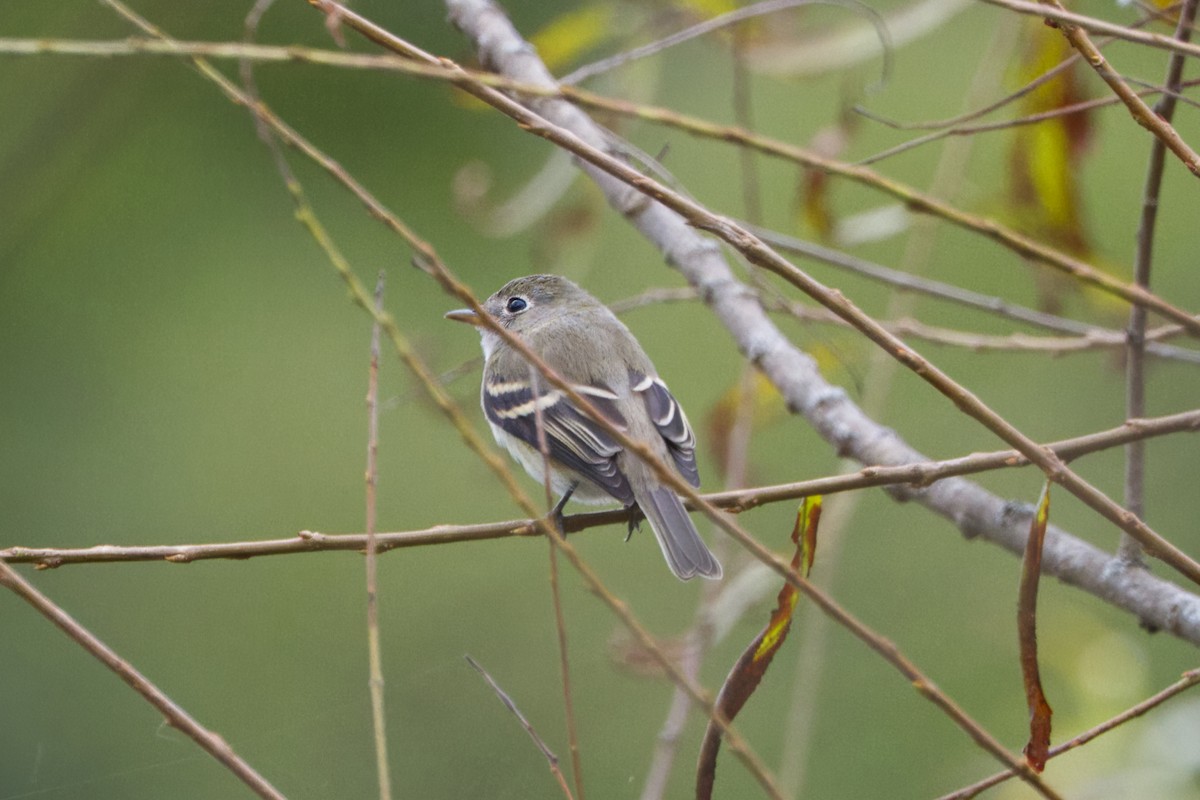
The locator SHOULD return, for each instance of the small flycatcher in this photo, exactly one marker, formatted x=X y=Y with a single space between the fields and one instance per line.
x=585 y=343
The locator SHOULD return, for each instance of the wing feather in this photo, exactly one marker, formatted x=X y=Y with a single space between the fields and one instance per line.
x=672 y=424
x=573 y=440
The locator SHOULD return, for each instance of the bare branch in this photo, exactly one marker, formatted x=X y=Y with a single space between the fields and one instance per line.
x=1135 y=367
x=549 y=755
x=1158 y=604
x=1025 y=246
x=974 y=511
x=1093 y=25
x=374 y=652
x=907 y=327
x=177 y=717
x=1189 y=679
x=684 y=212
x=1142 y=113
x=722 y=21
x=922 y=474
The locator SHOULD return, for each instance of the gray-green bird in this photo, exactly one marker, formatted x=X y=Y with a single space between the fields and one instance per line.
x=584 y=342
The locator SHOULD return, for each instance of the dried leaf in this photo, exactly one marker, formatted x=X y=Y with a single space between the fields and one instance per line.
x=1031 y=569
x=815 y=208
x=749 y=670
x=1045 y=158
x=815 y=211
x=630 y=656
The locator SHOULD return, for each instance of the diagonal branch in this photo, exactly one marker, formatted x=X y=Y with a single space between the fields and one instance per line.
x=427 y=258
x=1037 y=252
x=827 y=408
x=178 y=718
x=674 y=215
x=1062 y=17
x=1145 y=116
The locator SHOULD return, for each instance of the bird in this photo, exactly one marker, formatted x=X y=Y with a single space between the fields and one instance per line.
x=583 y=341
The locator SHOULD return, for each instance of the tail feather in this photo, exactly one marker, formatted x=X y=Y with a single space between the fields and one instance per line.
x=685 y=551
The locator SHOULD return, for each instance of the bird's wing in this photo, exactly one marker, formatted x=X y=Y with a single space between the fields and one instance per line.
x=671 y=422
x=572 y=439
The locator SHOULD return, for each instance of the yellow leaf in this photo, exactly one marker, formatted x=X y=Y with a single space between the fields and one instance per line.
x=708 y=8
x=1045 y=159
x=569 y=35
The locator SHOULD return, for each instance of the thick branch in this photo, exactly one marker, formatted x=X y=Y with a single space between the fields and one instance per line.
x=826 y=407
x=645 y=197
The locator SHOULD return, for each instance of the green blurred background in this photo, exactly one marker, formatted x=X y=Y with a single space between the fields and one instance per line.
x=181 y=364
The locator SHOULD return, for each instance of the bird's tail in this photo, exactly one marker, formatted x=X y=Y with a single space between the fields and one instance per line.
x=685 y=551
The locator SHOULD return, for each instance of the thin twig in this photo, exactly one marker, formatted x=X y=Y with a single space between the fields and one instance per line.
x=958 y=120
x=725 y=20
x=907 y=328
x=551 y=758
x=761 y=254
x=1028 y=119
x=1094 y=25
x=1036 y=251
x=1090 y=339
x=903 y=280
x=374 y=654
x=1130 y=550
x=560 y=621
x=1142 y=113
x=1189 y=679
x=426 y=258
x=176 y=716
x=921 y=474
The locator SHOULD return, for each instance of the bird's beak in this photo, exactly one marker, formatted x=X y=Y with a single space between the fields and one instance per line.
x=464 y=315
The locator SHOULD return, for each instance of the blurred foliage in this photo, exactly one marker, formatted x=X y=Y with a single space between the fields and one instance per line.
x=182 y=365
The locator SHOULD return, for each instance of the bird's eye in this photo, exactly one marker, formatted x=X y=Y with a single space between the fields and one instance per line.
x=516 y=305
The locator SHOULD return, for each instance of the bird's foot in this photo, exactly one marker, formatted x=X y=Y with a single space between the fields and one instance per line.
x=635 y=521
x=556 y=514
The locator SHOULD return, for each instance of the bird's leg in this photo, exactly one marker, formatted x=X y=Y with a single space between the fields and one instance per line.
x=635 y=520
x=556 y=515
